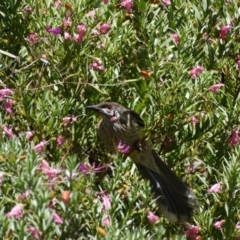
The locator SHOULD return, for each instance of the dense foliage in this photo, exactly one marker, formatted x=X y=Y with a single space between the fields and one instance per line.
x=175 y=63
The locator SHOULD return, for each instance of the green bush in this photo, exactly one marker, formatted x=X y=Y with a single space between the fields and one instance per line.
x=162 y=60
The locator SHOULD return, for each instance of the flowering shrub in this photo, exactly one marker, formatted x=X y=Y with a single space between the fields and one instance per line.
x=176 y=63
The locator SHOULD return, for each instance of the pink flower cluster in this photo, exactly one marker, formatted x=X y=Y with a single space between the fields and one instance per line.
x=175 y=38
x=57 y=4
x=54 y=31
x=16 y=212
x=218 y=224
x=32 y=38
x=60 y=141
x=7 y=102
x=106 y=203
x=152 y=218
x=167 y=2
x=78 y=37
x=27 y=10
x=8 y=131
x=215 y=87
x=127 y=4
x=91 y=169
x=67 y=120
x=216 y=188
x=192 y=232
x=123 y=148
x=49 y=171
x=224 y=31
x=234 y=138
x=23 y=196
x=97 y=66
x=196 y=71
x=104 y=28
x=39 y=147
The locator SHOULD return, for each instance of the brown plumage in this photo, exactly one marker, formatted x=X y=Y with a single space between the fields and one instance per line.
x=119 y=124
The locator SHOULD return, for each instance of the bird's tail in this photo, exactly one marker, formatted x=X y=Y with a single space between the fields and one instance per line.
x=174 y=197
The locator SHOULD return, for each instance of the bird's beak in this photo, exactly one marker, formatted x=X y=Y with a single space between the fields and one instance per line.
x=94 y=108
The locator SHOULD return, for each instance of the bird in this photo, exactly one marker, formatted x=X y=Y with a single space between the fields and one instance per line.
x=122 y=130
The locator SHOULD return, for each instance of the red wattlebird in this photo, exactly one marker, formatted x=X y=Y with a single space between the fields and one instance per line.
x=121 y=130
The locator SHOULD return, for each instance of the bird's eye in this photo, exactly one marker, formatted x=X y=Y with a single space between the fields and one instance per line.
x=109 y=107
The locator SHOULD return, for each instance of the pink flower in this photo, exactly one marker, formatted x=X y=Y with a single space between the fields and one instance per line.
x=66 y=120
x=34 y=232
x=195 y=71
x=53 y=203
x=44 y=165
x=215 y=87
x=194 y=120
x=74 y=118
x=97 y=66
x=54 y=31
x=95 y=32
x=234 y=138
x=106 y=201
x=218 y=224
x=105 y=1
x=49 y=171
x=175 y=38
x=8 y=132
x=83 y=168
x=32 y=38
x=152 y=218
x=91 y=14
x=89 y=169
x=215 y=188
x=67 y=36
x=67 y=22
x=7 y=105
x=57 y=4
x=16 y=212
x=52 y=172
x=127 y=4
x=167 y=2
x=238 y=64
x=123 y=148
x=57 y=219
x=5 y=92
x=29 y=135
x=82 y=30
x=105 y=28
x=224 y=31
x=23 y=196
x=39 y=147
x=77 y=38
x=27 y=10
x=106 y=221
x=61 y=141
x=192 y=232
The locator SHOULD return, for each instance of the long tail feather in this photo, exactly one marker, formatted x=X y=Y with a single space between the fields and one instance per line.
x=174 y=197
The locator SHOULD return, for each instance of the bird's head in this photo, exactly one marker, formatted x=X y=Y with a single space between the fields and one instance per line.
x=110 y=110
